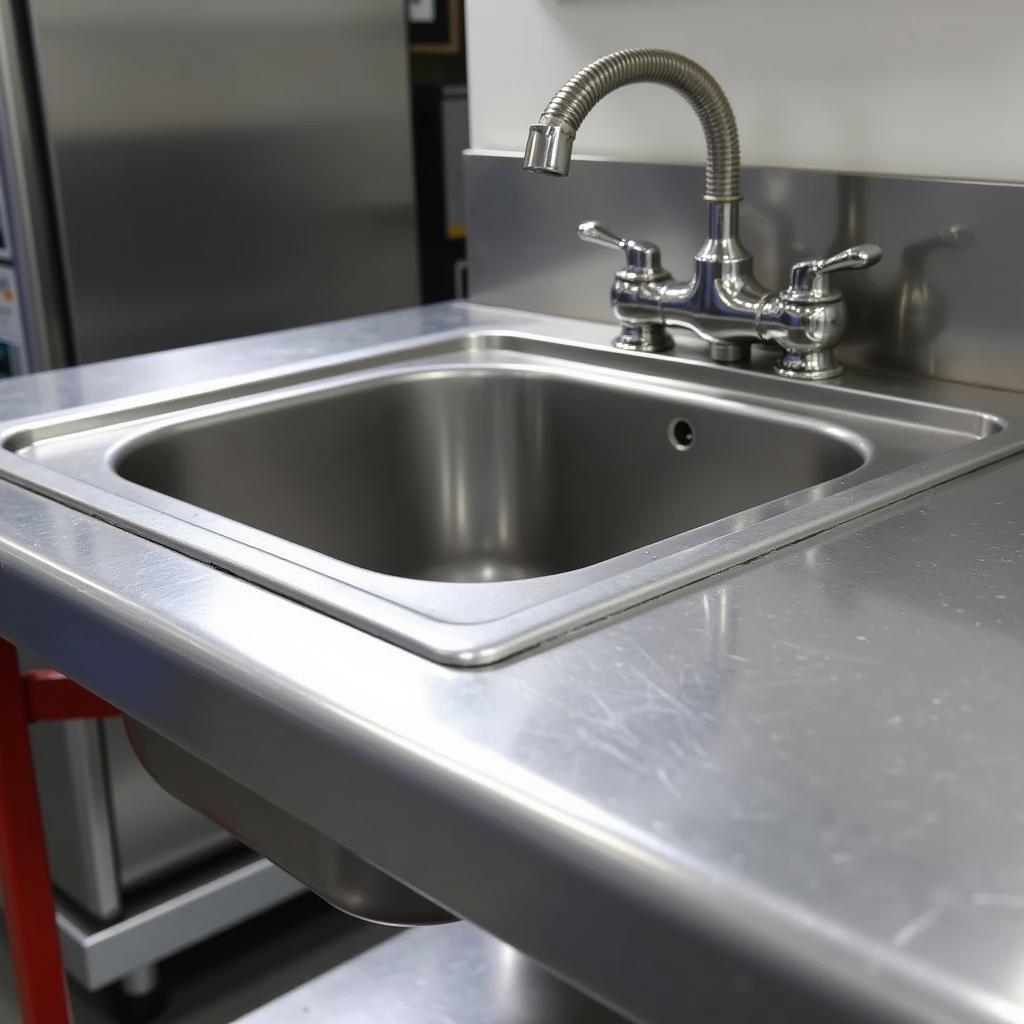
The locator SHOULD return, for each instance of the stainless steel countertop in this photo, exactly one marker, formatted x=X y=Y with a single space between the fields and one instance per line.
x=796 y=788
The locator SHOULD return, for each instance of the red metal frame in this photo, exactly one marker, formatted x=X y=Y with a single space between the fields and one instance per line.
x=29 y=912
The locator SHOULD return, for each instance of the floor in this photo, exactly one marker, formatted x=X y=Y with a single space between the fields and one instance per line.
x=229 y=975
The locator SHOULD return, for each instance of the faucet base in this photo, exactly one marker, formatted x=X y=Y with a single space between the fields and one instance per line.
x=645 y=338
x=729 y=350
x=808 y=365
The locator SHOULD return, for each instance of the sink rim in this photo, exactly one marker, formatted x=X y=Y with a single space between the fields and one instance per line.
x=488 y=640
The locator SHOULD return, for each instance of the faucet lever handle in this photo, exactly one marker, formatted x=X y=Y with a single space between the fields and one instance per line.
x=809 y=278
x=592 y=231
x=640 y=255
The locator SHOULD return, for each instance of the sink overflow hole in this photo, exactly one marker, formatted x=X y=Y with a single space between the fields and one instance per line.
x=680 y=433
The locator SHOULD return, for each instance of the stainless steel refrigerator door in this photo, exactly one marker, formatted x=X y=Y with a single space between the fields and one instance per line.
x=225 y=167
x=30 y=240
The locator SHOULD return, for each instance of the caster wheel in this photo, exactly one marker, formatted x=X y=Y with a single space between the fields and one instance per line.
x=129 y=1007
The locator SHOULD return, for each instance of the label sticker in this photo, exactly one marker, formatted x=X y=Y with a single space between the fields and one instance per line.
x=11 y=332
x=422 y=12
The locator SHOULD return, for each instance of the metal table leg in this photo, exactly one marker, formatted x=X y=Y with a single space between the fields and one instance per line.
x=24 y=873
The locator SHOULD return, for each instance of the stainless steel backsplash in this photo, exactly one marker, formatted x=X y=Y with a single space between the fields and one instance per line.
x=946 y=300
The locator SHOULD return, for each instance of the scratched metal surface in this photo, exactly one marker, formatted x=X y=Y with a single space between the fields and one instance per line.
x=796 y=790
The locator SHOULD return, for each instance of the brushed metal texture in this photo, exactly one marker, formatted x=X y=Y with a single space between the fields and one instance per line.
x=943 y=302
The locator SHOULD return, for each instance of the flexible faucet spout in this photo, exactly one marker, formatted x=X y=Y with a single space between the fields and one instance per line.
x=549 y=146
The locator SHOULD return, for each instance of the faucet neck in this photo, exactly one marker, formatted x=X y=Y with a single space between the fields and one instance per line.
x=723 y=243
x=549 y=146
x=723 y=220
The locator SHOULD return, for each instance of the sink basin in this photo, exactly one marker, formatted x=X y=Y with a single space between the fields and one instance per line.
x=479 y=474
x=471 y=496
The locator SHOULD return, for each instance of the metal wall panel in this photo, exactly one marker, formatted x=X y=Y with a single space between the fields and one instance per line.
x=225 y=167
x=943 y=302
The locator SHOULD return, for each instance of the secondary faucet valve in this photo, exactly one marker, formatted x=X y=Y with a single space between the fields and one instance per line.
x=808 y=318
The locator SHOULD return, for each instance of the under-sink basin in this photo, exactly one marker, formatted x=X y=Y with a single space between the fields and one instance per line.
x=472 y=496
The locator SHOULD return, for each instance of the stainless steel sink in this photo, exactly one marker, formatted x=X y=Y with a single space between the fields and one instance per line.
x=471 y=496
x=479 y=473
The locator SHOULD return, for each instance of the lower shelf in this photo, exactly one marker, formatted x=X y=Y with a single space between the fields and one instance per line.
x=171 y=919
x=446 y=974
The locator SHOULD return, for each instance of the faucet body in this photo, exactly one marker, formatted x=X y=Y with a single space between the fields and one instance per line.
x=723 y=302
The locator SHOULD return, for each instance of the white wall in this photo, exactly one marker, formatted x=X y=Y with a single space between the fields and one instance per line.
x=897 y=86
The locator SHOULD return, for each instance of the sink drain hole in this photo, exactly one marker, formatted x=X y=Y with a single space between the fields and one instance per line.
x=680 y=433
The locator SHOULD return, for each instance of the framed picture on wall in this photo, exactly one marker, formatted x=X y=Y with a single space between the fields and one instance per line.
x=435 y=26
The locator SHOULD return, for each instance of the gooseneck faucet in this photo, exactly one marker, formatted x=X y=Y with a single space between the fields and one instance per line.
x=723 y=302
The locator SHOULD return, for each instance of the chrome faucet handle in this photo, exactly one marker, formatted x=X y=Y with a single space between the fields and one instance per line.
x=636 y=290
x=807 y=320
x=642 y=257
x=809 y=280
